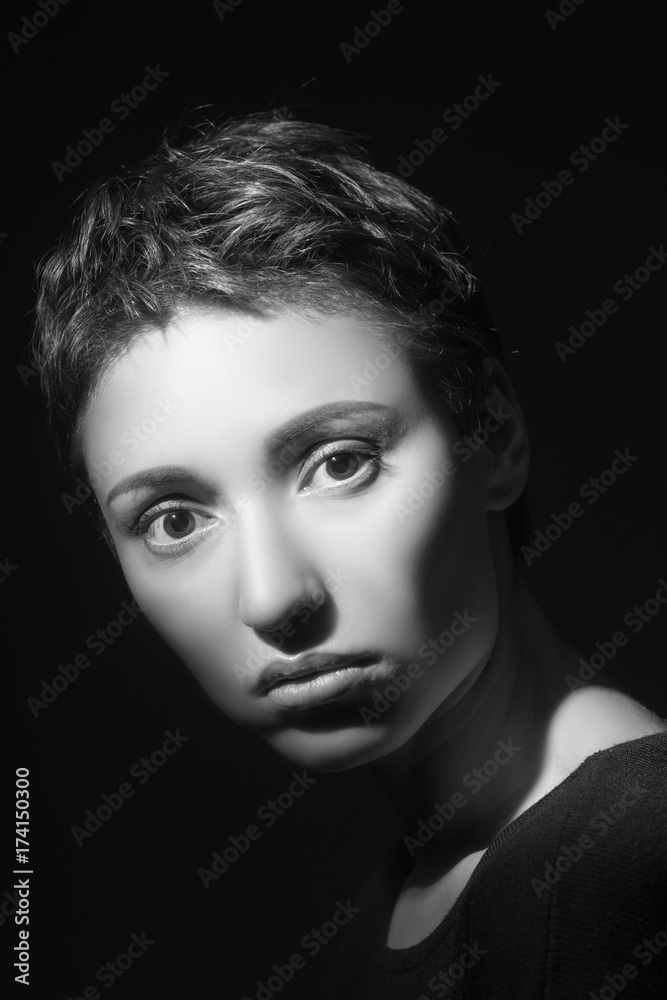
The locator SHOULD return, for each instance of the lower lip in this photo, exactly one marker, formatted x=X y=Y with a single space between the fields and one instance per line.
x=316 y=689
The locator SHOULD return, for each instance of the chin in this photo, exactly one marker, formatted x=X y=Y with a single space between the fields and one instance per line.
x=330 y=747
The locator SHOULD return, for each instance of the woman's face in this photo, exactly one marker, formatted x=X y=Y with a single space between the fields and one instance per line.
x=281 y=490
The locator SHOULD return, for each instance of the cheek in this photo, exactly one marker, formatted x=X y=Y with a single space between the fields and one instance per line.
x=412 y=555
x=426 y=587
x=191 y=606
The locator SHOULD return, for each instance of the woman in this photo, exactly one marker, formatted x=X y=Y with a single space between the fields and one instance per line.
x=272 y=365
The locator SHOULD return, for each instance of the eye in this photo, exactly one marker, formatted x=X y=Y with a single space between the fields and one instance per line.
x=342 y=465
x=177 y=524
x=171 y=529
x=334 y=463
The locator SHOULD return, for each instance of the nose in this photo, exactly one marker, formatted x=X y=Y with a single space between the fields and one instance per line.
x=274 y=577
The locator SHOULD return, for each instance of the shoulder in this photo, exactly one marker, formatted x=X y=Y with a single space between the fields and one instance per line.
x=611 y=806
x=596 y=718
x=583 y=873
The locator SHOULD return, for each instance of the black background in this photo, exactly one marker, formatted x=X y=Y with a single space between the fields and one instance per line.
x=139 y=872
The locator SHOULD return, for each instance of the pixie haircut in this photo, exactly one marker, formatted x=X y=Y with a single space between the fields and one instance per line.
x=261 y=215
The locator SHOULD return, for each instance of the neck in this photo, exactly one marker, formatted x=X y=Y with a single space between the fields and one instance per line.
x=485 y=755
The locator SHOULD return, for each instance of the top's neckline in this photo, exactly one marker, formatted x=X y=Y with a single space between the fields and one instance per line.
x=403 y=959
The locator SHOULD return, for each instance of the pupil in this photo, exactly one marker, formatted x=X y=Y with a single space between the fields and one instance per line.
x=177 y=523
x=343 y=465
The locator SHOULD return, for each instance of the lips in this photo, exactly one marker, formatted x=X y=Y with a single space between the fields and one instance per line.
x=305 y=667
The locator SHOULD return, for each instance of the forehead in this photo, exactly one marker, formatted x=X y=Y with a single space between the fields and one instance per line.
x=215 y=372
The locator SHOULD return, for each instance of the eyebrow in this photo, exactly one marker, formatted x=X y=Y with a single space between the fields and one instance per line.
x=328 y=417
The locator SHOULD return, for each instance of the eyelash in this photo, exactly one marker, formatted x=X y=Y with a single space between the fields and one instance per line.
x=141 y=525
x=321 y=455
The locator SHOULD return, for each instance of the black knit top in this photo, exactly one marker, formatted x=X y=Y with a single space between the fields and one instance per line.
x=569 y=900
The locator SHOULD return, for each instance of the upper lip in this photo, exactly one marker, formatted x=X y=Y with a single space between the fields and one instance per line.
x=278 y=671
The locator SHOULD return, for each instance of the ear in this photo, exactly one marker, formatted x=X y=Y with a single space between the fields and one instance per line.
x=506 y=444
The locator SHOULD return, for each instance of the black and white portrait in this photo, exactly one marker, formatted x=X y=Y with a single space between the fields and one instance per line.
x=336 y=613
